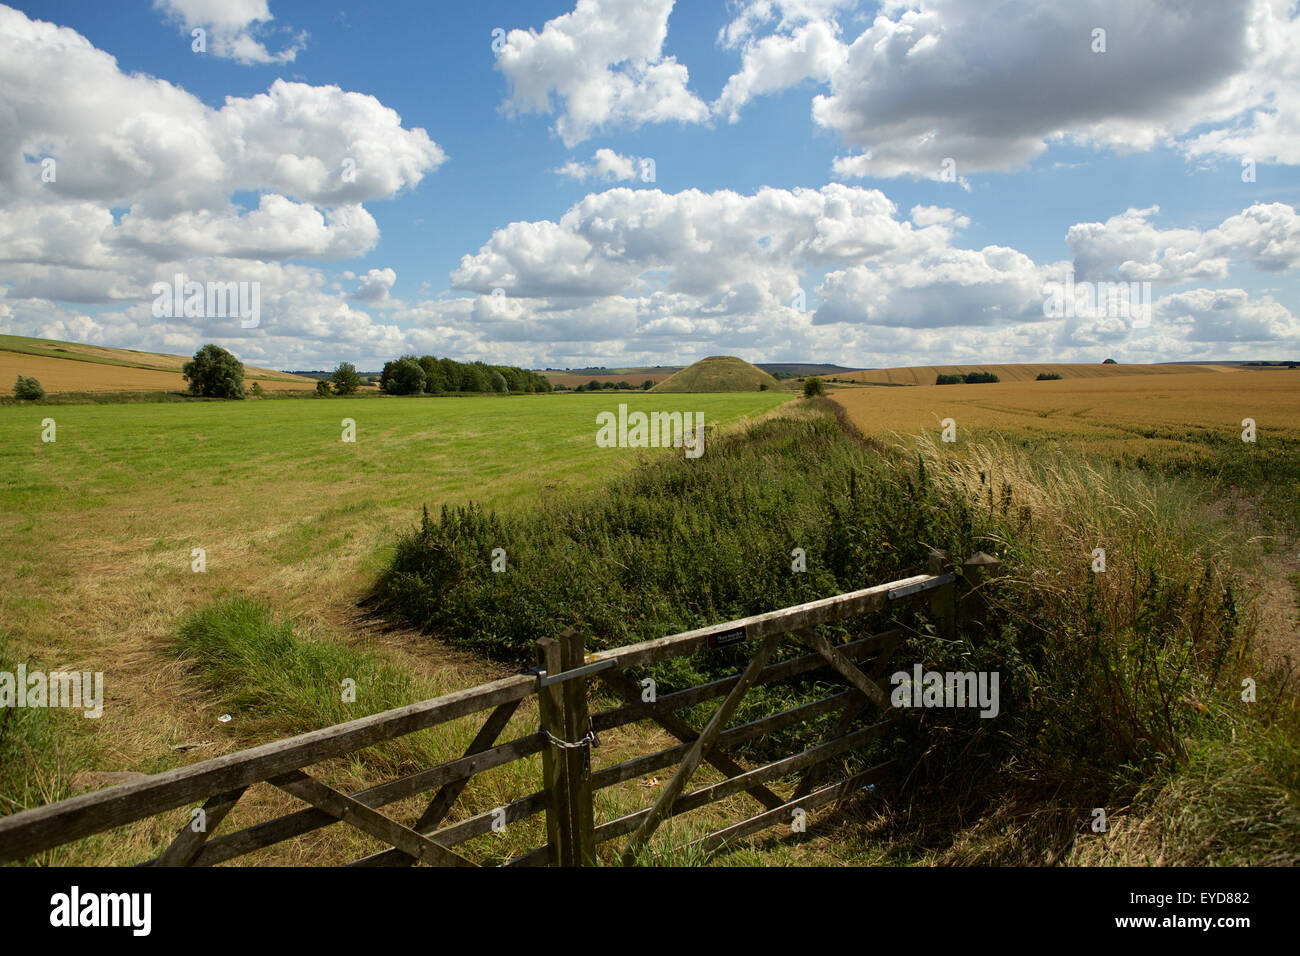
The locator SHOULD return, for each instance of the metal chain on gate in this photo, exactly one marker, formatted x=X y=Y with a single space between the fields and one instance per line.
x=589 y=739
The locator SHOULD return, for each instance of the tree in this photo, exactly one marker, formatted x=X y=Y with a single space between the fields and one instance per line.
x=813 y=386
x=451 y=373
x=322 y=387
x=408 y=378
x=497 y=382
x=1110 y=362
x=435 y=383
x=28 y=388
x=214 y=373
x=647 y=385
x=346 y=379
x=257 y=391
x=474 y=378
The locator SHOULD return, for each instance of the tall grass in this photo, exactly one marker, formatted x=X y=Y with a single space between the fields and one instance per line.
x=37 y=754
x=1109 y=679
x=261 y=669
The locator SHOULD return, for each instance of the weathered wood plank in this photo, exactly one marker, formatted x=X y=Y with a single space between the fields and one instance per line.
x=182 y=850
x=349 y=811
x=761 y=626
x=23 y=834
x=550 y=712
x=577 y=760
x=846 y=668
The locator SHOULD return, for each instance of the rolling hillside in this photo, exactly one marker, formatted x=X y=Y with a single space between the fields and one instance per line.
x=73 y=367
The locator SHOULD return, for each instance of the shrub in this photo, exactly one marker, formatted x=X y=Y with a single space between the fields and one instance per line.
x=1110 y=362
x=943 y=379
x=813 y=387
x=257 y=391
x=346 y=379
x=215 y=373
x=28 y=389
x=323 y=387
x=1048 y=377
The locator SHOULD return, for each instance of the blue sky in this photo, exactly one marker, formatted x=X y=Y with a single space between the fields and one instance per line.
x=798 y=146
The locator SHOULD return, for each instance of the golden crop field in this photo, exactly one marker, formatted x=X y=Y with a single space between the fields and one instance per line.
x=70 y=367
x=1128 y=416
x=925 y=374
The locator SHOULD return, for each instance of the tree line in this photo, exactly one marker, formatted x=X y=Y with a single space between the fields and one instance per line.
x=412 y=375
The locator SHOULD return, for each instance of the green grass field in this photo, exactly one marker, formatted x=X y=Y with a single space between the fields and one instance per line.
x=99 y=528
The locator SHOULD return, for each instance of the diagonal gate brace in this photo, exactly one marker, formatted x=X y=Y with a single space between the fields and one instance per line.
x=686 y=733
x=347 y=810
x=703 y=744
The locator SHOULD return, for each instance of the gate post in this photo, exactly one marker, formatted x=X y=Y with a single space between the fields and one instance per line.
x=566 y=761
x=943 y=601
x=577 y=724
x=551 y=716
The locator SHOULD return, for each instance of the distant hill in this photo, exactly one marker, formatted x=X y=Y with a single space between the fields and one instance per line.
x=73 y=367
x=719 y=373
x=802 y=368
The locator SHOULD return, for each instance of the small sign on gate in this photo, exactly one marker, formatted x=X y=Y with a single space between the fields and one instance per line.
x=725 y=638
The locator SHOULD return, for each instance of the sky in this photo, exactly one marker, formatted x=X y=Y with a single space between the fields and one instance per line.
x=569 y=183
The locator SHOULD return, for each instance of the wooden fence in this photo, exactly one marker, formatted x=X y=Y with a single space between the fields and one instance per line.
x=566 y=737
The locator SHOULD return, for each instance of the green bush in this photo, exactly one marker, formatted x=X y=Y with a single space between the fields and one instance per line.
x=323 y=387
x=346 y=379
x=215 y=373
x=1048 y=377
x=28 y=389
x=946 y=379
x=812 y=387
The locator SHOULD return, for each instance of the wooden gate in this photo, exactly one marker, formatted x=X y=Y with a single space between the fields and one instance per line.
x=566 y=738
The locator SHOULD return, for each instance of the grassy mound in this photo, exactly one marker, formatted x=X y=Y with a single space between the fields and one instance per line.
x=719 y=373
